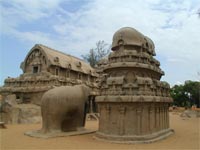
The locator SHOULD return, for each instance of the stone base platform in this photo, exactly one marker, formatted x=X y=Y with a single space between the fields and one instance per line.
x=134 y=139
x=39 y=134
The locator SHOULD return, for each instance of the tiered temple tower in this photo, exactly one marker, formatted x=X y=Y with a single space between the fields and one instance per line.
x=133 y=103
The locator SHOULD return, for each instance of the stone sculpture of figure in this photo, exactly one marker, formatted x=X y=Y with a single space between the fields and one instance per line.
x=64 y=108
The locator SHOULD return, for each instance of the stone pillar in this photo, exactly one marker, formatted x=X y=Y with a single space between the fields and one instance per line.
x=122 y=111
x=139 y=120
x=151 y=119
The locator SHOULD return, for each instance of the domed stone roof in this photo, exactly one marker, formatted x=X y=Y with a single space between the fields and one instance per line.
x=150 y=45
x=127 y=36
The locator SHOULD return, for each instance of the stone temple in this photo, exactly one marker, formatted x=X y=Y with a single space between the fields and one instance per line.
x=45 y=68
x=133 y=102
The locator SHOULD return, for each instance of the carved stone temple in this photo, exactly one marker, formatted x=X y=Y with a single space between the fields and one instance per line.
x=133 y=102
x=45 y=68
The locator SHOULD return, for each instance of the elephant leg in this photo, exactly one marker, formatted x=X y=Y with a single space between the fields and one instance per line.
x=44 y=123
x=80 y=117
x=44 y=120
x=69 y=123
x=54 y=122
x=44 y=113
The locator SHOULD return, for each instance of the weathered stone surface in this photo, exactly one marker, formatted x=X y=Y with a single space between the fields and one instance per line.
x=133 y=102
x=39 y=134
x=11 y=99
x=63 y=110
x=21 y=114
x=0 y=97
x=190 y=114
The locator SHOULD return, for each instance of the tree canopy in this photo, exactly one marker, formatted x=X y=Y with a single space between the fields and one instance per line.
x=95 y=54
x=187 y=94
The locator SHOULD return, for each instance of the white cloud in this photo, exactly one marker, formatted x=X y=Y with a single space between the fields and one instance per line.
x=173 y=26
x=17 y=12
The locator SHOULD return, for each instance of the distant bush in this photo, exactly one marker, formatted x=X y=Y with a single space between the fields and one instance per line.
x=186 y=95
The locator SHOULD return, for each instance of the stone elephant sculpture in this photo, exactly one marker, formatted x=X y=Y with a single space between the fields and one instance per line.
x=64 y=108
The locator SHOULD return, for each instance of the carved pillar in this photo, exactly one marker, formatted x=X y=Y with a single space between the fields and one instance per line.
x=156 y=118
x=164 y=117
x=100 y=119
x=167 y=117
x=139 y=120
x=122 y=111
x=161 y=117
x=107 y=119
x=150 y=119
x=158 y=114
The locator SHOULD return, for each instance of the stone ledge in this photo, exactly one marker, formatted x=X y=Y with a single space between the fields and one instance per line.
x=133 y=98
x=39 y=134
x=134 y=139
x=133 y=65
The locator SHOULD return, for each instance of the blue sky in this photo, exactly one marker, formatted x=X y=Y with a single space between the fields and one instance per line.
x=74 y=26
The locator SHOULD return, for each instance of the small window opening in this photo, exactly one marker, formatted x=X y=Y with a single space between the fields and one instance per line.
x=44 y=60
x=35 y=69
x=57 y=71
x=79 y=76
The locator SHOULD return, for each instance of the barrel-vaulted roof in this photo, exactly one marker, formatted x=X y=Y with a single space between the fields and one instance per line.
x=63 y=60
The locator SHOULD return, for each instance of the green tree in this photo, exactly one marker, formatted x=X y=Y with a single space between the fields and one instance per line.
x=186 y=95
x=91 y=57
x=95 y=54
x=193 y=90
x=179 y=96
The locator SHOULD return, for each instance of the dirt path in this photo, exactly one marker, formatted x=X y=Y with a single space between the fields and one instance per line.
x=187 y=136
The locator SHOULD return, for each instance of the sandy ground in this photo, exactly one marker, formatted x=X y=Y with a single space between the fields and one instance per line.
x=187 y=136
